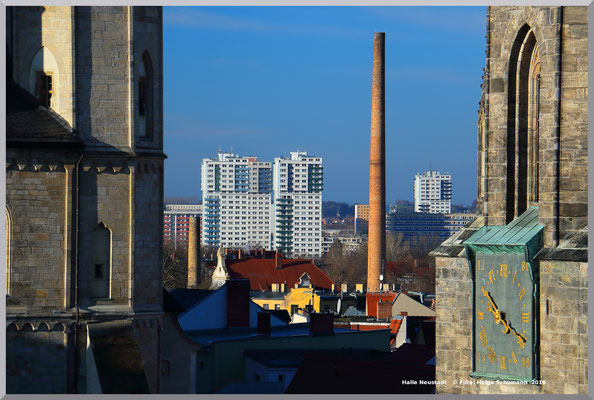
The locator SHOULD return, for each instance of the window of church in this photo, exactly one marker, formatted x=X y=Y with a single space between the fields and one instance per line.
x=522 y=135
x=146 y=97
x=44 y=89
x=101 y=253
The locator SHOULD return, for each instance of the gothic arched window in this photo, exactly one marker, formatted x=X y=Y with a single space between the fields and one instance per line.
x=43 y=75
x=522 y=126
x=101 y=262
x=146 y=97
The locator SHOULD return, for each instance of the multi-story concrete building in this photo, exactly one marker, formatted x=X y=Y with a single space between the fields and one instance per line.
x=176 y=223
x=236 y=200
x=426 y=228
x=361 y=218
x=433 y=192
x=297 y=211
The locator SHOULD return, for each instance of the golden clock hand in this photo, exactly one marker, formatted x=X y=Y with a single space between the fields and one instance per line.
x=496 y=311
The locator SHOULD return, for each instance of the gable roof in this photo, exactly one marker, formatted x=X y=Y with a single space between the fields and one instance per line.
x=181 y=299
x=413 y=308
x=262 y=272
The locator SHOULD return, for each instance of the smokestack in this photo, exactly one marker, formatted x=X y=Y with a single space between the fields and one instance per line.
x=193 y=255
x=376 y=253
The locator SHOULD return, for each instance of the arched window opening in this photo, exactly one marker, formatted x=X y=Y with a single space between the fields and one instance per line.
x=522 y=135
x=101 y=263
x=533 y=127
x=146 y=97
x=42 y=78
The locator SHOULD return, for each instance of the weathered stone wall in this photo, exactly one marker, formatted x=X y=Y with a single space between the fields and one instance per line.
x=569 y=45
x=148 y=237
x=564 y=326
x=148 y=39
x=119 y=184
x=563 y=329
x=37 y=362
x=105 y=198
x=573 y=168
x=103 y=77
x=33 y=34
x=38 y=198
x=148 y=336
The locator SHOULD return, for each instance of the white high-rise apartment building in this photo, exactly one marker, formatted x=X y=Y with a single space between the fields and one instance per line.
x=297 y=211
x=433 y=192
x=236 y=200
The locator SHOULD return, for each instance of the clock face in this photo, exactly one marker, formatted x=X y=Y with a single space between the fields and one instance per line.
x=504 y=323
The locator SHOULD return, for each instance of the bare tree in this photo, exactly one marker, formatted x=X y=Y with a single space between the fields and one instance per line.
x=175 y=266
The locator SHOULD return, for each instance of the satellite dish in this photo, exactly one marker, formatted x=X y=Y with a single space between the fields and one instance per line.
x=381 y=277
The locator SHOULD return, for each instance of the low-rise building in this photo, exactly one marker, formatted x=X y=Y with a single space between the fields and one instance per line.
x=426 y=228
x=176 y=223
x=219 y=328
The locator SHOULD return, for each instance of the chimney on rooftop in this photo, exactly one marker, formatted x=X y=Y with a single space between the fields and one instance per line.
x=239 y=254
x=278 y=262
x=238 y=303
x=376 y=253
x=263 y=323
x=193 y=255
x=384 y=309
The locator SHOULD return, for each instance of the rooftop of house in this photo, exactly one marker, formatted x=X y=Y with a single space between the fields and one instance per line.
x=207 y=337
x=263 y=272
x=180 y=299
x=365 y=372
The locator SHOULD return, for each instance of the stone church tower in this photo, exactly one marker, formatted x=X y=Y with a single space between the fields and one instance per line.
x=532 y=229
x=84 y=195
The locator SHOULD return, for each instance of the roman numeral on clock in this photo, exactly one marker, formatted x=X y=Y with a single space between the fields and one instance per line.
x=491 y=355
x=483 y=336
x=525 y=317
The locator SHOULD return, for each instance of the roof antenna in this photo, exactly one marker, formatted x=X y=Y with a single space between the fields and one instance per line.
x=430 y=168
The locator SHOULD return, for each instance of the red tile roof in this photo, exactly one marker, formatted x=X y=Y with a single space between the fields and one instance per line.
x=262 y=272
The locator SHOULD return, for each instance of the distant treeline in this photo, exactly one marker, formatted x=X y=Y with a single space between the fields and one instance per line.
x=332 y=208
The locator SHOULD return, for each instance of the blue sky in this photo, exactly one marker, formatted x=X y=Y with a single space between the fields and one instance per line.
x=265 y=81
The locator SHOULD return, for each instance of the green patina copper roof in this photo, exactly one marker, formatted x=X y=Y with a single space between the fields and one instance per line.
x=523 y=233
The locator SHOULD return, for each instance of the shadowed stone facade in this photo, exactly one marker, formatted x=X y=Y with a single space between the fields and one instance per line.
x=84 y=189
x=532 y=151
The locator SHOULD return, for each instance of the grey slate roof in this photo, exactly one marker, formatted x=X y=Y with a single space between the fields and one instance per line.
x=29 y=123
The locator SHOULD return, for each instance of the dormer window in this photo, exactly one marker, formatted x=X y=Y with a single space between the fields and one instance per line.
x=304 y=281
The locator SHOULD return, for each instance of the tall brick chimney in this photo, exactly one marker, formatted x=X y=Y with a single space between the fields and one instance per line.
x=376 y=250
x=193 y=255
x=238 y=303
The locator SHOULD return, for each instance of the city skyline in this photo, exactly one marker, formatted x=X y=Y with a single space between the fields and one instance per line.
x=222 y=91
